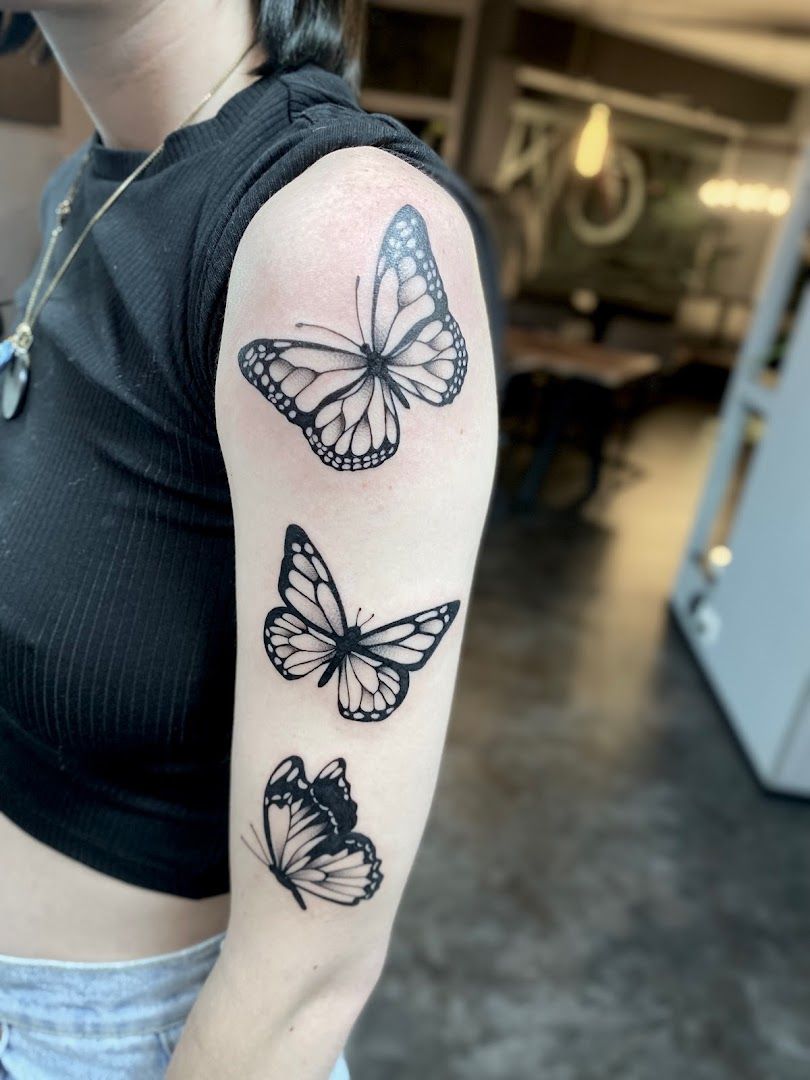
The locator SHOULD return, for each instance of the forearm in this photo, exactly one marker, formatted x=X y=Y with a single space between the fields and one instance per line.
x=260 y=1018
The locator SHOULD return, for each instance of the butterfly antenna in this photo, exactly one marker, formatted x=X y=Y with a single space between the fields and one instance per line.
x=357 y=307
x=368 y=620
x=253 y=851
x=259 y=842
x=329 y=330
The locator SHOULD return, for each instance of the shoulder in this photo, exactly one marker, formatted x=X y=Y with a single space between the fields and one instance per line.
x=363 y=257
x=318 y=245
x=345 y=196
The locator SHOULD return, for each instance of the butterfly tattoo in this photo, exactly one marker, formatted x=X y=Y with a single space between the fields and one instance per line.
x=311 y=633
x=309 y=844
x=345 y=394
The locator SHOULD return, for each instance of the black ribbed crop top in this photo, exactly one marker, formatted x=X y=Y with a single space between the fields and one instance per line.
x=117 y=607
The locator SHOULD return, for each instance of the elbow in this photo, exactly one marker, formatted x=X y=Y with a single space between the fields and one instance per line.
x=293 y=1020
x=305 y=989
x=344 y=982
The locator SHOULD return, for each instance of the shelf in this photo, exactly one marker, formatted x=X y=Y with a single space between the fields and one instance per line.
x=410 y=106
x=420 y=69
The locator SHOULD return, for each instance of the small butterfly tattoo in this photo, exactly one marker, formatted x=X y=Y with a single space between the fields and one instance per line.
x=344 y=394
x=311 y=634
x=309 y=846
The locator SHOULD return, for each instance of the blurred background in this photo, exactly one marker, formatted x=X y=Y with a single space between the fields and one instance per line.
x=616 y=878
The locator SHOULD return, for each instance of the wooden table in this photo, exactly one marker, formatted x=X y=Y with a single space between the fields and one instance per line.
x=573 y=367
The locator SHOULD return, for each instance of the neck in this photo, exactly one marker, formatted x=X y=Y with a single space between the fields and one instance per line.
x=141 y=66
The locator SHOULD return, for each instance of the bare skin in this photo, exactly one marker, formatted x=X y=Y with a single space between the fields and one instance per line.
x=124 y=59
x=55 y=908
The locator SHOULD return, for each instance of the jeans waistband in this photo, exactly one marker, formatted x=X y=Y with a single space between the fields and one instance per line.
x=126 y=997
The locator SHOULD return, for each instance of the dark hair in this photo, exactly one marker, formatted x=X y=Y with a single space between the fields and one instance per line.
x=324 y=32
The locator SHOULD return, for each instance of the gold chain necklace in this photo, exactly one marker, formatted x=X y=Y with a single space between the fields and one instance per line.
x=15 y=350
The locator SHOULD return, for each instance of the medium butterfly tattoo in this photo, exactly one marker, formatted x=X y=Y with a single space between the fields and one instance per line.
x=311 y=633
x=344 y=394
x=309 y=844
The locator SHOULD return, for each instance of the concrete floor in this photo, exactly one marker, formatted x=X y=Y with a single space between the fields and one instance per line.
x=603 y=892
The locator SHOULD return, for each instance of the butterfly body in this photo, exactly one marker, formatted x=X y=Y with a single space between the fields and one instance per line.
x=345 y=394
x=343 y=647
x=310 y=843
x=282 y=879
x=310 y=634
x=348 y=643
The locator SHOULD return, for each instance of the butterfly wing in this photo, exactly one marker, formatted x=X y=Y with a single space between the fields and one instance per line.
x=305 y=828
x=302 y=636
x=332 y=791
x=369 y=689
x=344 y=869
x=295 y=648
x=410 y=643
x=348 y=415
x=345 y=874
x=412 y=327
x=374 y=677
x=294 y=823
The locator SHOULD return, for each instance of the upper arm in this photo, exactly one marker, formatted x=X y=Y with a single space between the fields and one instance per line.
x=397 y=535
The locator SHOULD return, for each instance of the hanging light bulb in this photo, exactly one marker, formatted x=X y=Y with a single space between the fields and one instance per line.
x=593 y=142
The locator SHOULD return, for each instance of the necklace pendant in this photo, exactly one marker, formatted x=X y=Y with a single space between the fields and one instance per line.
x=15 y=365
x=6 y=353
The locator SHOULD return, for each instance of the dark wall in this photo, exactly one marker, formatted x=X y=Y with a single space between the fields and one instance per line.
x=563 y=45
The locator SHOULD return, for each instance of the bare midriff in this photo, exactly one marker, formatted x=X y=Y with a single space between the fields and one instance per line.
x=52 y=907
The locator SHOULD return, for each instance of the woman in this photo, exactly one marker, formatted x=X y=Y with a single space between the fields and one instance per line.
x=251 y=386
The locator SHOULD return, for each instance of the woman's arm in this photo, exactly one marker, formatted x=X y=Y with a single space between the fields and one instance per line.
x=317 y=868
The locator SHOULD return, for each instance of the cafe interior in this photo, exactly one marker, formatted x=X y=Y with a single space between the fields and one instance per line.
x=620 y=832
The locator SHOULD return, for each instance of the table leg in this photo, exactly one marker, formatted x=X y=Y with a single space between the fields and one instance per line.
x=561 y=399
x=599 y=422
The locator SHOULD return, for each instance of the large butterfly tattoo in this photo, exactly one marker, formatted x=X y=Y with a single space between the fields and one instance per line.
x=311 y=634
x=344 y=394
x=310 y=846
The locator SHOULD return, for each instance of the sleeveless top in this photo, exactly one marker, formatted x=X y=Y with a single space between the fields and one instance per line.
x=117 y=593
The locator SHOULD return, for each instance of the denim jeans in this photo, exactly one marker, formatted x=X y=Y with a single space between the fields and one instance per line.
x=106 y=1021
